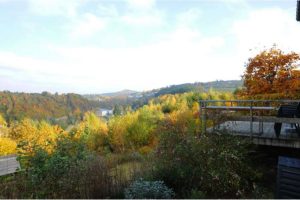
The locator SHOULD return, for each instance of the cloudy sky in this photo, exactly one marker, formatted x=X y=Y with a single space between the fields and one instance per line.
x=95 y=46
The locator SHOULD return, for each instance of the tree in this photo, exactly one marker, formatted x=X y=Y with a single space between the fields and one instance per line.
x=272 y=72
x=29 y=134
x=117 y=110
x=7 y=146
x=2 y=121
x=93 y=131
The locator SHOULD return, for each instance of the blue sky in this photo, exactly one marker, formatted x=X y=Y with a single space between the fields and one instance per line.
x=95 y=46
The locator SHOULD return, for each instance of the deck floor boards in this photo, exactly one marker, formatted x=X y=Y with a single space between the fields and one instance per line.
x=8 y=165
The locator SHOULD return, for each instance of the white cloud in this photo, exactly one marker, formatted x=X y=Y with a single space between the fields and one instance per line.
x=184 y=56
x=141 y=4
x=142 y=13
x=87 y=26
x=107 y=11
x=13 y=62
x=143 y=19
x=266 y=27
x=189 y=17
x=54 y=7
x=182 y=51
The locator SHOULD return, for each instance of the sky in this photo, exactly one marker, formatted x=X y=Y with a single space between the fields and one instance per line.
x=97 y=46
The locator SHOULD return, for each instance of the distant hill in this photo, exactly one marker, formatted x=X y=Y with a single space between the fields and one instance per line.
x=136 y=99
x=119 y=93
x=227 y=86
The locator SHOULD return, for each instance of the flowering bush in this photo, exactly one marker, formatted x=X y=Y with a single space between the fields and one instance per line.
x=142 y=189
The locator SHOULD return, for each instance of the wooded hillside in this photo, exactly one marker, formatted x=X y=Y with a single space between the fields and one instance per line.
x=15 y=106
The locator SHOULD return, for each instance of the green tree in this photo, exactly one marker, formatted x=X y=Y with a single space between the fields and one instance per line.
x=118 y=110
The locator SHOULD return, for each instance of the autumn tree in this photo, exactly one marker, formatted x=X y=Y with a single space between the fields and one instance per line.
x=272 y=72
x=92 y=130
x=29 y=134
x=3 y=127
x=7 y=146
x=2 y=121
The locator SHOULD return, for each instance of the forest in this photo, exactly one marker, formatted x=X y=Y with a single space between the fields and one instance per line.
x=156 y=150
x=55 y=108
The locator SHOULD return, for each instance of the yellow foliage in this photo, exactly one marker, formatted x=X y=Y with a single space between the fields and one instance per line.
x=94 y=123
x=3 y=127
x=47 y=135
x=145 y=150
x=93 y=130
x=31 y=134
x=118 y=128
x=2 y=121
x=185 y=121
x=7 y=146
x=24 y=130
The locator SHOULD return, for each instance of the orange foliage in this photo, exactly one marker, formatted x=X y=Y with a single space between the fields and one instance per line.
x=272 y=72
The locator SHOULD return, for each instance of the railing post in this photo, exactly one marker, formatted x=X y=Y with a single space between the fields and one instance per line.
x=200 y=115
x=203 y=117
x=251 y=119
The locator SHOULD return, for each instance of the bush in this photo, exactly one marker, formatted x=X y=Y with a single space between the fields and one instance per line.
x=141 y=189
x=214 y=166
x=70 y=171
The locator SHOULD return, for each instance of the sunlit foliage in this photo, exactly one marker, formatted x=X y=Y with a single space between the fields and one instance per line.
x=76 y=163
x=2 y=121
x=93 y=131
x=137 y=130
x=272 y=73
x=29 y=134
x=7 y=146
x=17 y=106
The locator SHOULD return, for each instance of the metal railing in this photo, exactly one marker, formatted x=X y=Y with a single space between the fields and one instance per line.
x=247 y=105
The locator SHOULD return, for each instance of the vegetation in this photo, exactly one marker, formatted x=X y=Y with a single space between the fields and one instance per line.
x=61 y=164
x=222 y=86
x=17 y=106
x=7 y=146
x=135 y=100
x=70 y=171
x=206 y=167
x=272 y=74
x=141 y=189
x=152 y=151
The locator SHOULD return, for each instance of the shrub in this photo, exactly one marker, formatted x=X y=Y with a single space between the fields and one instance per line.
x=142 y=189
x=70 y=171
x=214 y=165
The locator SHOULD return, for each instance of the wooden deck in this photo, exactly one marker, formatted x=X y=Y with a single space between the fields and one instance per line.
x=263 y=133
x=8 y=164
